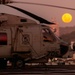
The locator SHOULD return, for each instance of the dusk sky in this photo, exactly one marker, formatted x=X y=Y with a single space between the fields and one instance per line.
x=50 y=12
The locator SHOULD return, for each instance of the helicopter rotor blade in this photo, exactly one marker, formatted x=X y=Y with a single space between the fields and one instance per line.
x=40 y=19
x=46 y=5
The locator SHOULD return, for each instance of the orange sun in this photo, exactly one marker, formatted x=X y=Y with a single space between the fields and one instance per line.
x=66 y=18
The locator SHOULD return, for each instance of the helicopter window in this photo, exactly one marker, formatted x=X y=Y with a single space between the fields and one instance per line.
x=3 y=39
x=47 y=35
x=23 y=20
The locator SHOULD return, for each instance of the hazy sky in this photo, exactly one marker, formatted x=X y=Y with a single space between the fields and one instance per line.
x=50 y=12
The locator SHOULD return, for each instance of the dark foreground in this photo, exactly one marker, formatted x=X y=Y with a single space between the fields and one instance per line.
x=40 y=70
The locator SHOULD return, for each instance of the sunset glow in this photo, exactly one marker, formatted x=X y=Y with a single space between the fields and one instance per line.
x=67 y=18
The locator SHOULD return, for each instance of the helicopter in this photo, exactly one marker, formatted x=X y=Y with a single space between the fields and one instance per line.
x=27 y=39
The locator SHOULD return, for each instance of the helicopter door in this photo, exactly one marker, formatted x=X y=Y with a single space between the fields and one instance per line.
x=24 y=42
x=5 y=42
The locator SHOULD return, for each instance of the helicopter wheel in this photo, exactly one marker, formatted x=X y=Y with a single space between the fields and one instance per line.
x=19 y=63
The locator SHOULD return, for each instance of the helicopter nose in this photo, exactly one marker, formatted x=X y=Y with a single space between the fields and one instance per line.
x=63 y=49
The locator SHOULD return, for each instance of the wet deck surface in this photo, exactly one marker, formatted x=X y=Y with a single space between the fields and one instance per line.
x=40 y=73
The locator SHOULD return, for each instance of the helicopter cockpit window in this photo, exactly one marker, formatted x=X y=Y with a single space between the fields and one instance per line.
x=3 y=39
x=47 y=35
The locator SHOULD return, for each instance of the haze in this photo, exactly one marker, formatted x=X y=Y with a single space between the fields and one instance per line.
x=50 y=13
